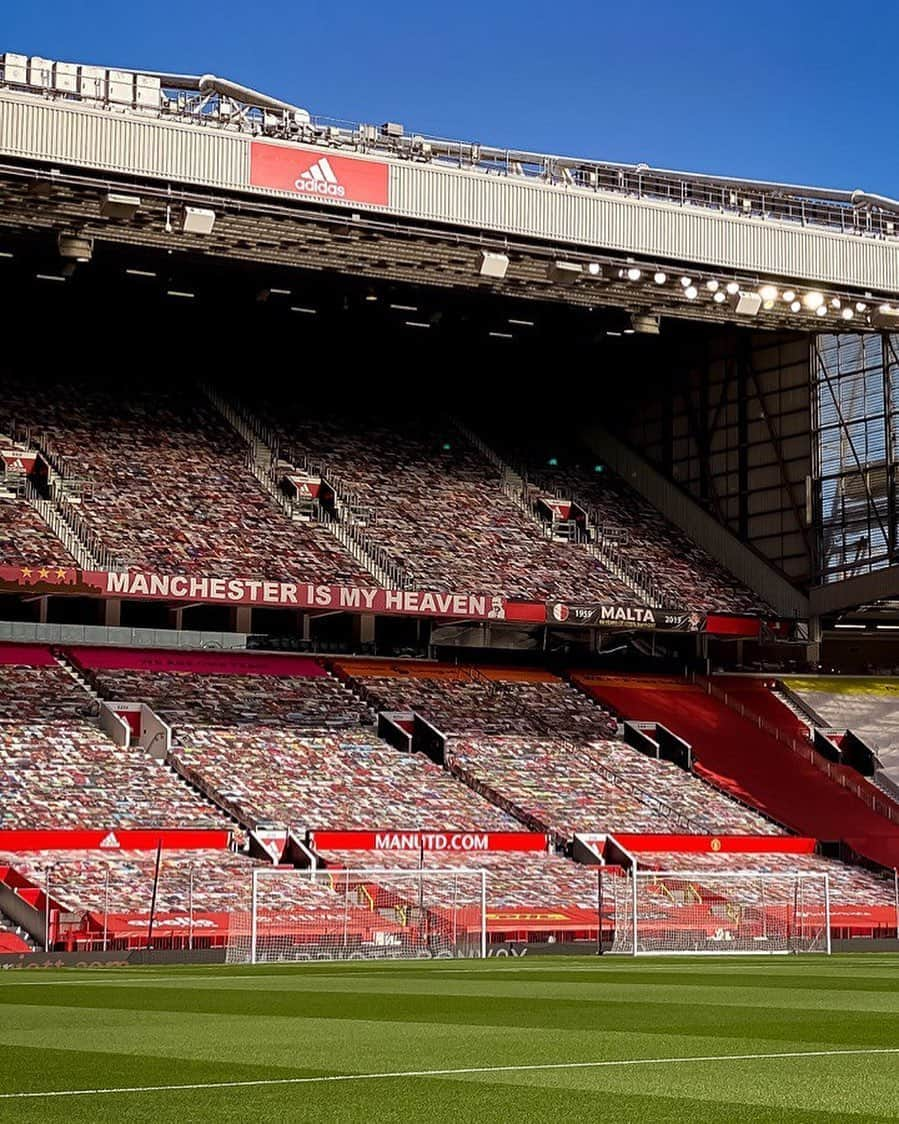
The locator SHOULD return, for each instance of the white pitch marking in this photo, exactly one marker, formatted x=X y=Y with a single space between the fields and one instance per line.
x=324 y=1078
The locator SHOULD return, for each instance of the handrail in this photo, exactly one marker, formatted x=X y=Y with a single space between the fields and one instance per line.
x=261 y=438
x=514 y=484
x=805 y=750
x=212 y=103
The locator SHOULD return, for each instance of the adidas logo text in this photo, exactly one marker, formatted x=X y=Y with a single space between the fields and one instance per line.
x=320 y=180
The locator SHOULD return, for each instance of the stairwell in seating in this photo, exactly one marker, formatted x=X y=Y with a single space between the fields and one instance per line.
x=268 y=464
x=55 y=501
x=609 y=555
x=782 y=775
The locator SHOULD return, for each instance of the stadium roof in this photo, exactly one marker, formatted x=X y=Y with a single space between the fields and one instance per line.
x=282 y=187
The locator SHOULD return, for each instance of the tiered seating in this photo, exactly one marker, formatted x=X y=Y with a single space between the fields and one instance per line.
x=236 y=700
x=34 y=691
x=328 y=782
x=217 y=881
x=171 y=492
x=493 y=701
x=438 y=509
x=753 y=765
x=849 y=885
x=239 y=739
x=868 y=706
x=26 y=540
x=10 y=939
x=58 y=769
x=527 y=882
x=600 y=787
x=689 y=577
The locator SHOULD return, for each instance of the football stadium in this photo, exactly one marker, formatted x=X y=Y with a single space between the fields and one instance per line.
x=449 y=623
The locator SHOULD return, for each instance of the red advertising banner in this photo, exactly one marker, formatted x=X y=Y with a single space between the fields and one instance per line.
x=200 y=924
x=306 y=488
x=124 y=840
x=319 y=175
x=721 y=625
x=201 y=663
x=18 y=461
x=275 y=594
x=723 y=844
x=454 y=841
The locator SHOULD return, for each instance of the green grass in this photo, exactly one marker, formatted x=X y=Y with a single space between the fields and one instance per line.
x=71 y=1030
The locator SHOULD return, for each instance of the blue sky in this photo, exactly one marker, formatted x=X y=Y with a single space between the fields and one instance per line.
x=802 y=92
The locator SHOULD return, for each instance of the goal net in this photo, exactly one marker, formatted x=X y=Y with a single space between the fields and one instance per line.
x=361 y=914
x=713 y=912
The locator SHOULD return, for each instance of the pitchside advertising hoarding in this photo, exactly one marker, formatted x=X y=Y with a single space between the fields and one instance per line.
x=314 y=596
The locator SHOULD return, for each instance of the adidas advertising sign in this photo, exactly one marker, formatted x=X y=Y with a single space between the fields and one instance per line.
x=318 y=175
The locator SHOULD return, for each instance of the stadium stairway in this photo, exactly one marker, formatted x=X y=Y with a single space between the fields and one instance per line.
x=13 y=938
x=736 y=754
x=611 y=558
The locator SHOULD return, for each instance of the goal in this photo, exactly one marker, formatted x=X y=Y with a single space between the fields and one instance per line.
x=360 y=915
x=715 y=912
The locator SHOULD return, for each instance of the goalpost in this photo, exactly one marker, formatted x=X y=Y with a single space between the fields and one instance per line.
x=715 y=912
x=361 y=914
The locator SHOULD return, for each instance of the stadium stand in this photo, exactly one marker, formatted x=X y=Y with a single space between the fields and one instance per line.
x=170 y=490
x=869 y=706
x=685 y=574
x=467 y=700
x=436 y=507
x=530 y=893
x=752 y=764
x=849 y=885
x=26 y=540
x=599 y=787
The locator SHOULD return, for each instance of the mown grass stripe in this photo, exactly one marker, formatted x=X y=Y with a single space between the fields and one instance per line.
x=402 y=1074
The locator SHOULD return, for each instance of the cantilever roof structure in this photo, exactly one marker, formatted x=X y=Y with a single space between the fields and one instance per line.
x=288 y=187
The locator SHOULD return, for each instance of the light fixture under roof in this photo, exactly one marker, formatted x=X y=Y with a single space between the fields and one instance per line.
x=712 y=285
x=493 y=265
x=768 y=293
x=733 y=288
x=74 y=247
x=594 y=269
x=634 y=274
x=821 y=310
x=813 y=300
x=847 y=313
x=789 y=296
x=691 y=292
x=719 y=297
x=686 y=282
x=659 y=277
x=795 y=306
x=198 y=220
x=861 y=307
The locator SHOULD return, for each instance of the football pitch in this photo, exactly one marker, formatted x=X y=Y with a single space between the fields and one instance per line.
x=702 y=1040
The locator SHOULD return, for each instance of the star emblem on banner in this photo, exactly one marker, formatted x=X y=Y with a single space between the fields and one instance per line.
x=61 y=574
x=43 y=573
x=26 y=573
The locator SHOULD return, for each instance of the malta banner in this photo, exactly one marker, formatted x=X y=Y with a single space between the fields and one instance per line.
x=598 y=615
x=452 y=841
x=113 y=840
x=319 y=175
